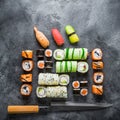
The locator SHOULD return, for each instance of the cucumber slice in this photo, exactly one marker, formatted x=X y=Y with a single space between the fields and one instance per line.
x=74 y=66
x=76 y=54
x=73 y=53
x=63 y=67
x=70 y=53
x=80 y=53
x=69 y=66
x=59 y=54
x=82 y=67
x=58 y=67
x=82 y=56
x=66 y=50
x=85 y=53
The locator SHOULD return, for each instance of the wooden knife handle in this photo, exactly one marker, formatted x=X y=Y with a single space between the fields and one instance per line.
x=21 y=109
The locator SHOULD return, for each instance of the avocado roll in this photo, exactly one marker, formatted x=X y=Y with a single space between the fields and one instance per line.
x=64 y=79
x=41 y=92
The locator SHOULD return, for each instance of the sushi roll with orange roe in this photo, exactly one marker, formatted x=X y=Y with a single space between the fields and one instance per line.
x=97 y=54
x=97 y=89
x=26 y=89
x=76 y=87
x=41 y=64
x=48 y=53
x=84 y=91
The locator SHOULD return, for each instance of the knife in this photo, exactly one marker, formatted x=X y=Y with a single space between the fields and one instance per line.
x=66 y=106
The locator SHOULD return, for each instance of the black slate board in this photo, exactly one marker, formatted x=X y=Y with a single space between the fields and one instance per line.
x=96 y=22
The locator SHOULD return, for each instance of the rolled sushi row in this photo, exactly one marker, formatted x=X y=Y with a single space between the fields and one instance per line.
x=71 y=66
x=71 y=54
x=52 y=92
x=53 y=79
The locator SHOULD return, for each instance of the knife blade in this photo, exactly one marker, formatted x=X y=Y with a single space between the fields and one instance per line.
x=65 y=106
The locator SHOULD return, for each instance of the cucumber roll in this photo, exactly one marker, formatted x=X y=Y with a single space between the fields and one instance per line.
x=41 y=92
x=74 y=66
x=69 y=66
x=59 y=54
x=82 y=67
x=58 y=67
x=64 y=79
x=56 y=92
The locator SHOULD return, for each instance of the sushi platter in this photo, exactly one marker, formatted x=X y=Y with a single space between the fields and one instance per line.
x=54 y=69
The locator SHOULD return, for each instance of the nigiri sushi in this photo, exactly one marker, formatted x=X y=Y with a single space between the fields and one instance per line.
x=41 y=38
x=57 y=37
x=97 y=54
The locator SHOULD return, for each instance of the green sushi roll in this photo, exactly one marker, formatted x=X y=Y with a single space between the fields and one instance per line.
x=69 y=66
x=74 y=66
x=58 y=67
x=70 y=31
x=82 y=67
x=59 y=54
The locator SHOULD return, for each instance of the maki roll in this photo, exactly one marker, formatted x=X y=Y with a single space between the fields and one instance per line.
x=97 y=89
x=41 y=92
x=97 y=54
x=84 y=83
x=40 y=53
x=64 y=79
x=48 y=79
x=26 y=78
x=27 y=54
x=27 y=65
x=41 y=64
x=59 y=54
x=76 y=84
x=76 y=91
x=52 y=92
x=56 y=92
x=82 y=67
x=57 y=37
x=84 y=91
x=26 y=89
x=73 y=37
x=48 y=64
x=98 y=77
x=48 y=53
x=97 y=65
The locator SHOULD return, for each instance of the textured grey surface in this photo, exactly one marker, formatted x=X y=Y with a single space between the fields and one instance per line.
x=97 y=22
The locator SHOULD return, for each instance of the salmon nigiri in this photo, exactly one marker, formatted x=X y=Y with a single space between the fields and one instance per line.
x=41 y=38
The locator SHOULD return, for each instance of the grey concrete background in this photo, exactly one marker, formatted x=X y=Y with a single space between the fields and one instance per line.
x=97 y=22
